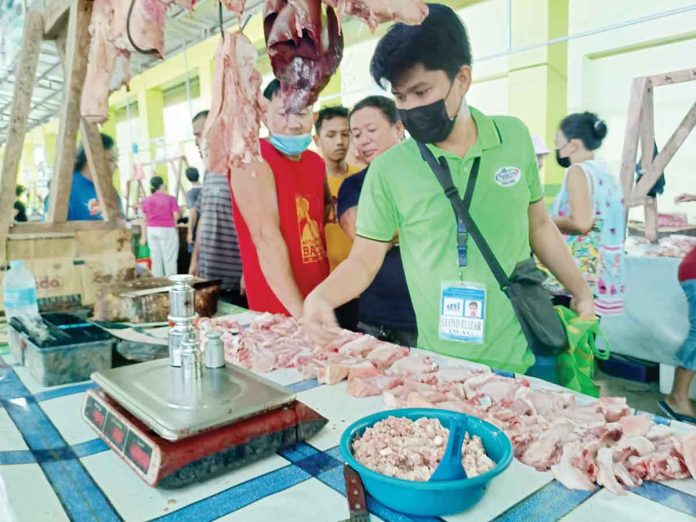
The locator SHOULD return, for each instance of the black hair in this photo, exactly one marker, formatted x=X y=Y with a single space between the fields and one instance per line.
x=192 y=174
x=202 y=114
x=19 y=190
x=586 y=127
x=440 y=43
x=81 y=157
x=271 y=89
x=156 y=183
x=382 y=103
x=329 y=113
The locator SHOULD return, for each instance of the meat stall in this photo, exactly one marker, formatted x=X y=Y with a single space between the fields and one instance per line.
x=74 y=475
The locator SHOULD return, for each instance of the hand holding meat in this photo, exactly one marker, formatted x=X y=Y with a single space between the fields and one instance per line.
x=319 y=320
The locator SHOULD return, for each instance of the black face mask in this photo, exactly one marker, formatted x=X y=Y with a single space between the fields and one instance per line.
x=563 y=162
x=429 y=123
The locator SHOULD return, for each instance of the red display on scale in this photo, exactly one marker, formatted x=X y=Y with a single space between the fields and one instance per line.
x=161 y=462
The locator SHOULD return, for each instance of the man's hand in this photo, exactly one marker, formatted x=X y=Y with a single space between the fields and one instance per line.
x=242 y=286
x=319 y=320
x=143 y=240
x=583 y=306
x=684 y=198
x=193 y=267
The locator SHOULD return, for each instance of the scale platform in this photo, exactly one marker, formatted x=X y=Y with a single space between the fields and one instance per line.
x=173 y=432
x=175 y=408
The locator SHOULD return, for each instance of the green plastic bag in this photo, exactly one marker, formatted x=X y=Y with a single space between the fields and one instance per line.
x=142 y=252
x=576 y=365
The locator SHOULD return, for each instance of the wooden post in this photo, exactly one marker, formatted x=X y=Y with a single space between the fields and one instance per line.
x=628 y=160
x=101 y=171
x=668 y=151
x=21 y=106
x=75 y=68
x=651 y=219
x=647 y=144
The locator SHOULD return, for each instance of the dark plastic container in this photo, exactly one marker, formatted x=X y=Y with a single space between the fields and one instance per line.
x=630 y=368
x=70 y=352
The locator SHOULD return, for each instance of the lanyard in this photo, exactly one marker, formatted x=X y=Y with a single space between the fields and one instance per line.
x=460 y=206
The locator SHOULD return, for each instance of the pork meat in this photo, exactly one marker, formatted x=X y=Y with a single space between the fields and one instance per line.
x=374 y=12
x=688 y=444
x=235 y=6
x=232 y=127
x=107 y=66
x=412 y=450
x=566 y=471
x=304 y=46
x=146 y=25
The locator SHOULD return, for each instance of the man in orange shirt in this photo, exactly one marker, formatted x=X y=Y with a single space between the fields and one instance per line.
x=333 y=140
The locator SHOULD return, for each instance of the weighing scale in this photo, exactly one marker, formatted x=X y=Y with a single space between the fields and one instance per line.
x=175 y=422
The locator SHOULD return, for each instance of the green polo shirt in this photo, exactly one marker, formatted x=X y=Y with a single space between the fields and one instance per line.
x=401 y=193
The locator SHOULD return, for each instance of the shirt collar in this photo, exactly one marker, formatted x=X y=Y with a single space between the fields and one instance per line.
x=488 y=137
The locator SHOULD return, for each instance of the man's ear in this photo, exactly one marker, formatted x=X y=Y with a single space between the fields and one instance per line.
x=464 y=79
x=316 y=140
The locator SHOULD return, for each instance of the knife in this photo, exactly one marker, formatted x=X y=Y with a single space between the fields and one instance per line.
x=355 y=493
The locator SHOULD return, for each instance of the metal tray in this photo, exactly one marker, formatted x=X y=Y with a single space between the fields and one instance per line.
x=175 y=408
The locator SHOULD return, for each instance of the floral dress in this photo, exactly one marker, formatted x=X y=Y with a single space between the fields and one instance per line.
x=599 y=254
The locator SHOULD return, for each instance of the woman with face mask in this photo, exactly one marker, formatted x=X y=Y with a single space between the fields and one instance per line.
x=589 y=212
x=385 y=308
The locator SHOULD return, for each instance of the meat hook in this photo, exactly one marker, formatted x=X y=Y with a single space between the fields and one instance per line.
x=222 y=29
x=130 y=37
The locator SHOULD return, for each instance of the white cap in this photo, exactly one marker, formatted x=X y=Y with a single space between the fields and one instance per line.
x=539 y=145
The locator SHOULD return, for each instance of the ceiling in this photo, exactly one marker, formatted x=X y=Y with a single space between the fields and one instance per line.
x=182 y=29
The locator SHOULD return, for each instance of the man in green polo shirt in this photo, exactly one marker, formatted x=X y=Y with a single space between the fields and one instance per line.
x=429 y=70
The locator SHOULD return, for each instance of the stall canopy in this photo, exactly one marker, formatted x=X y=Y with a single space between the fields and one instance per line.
x=182 y=29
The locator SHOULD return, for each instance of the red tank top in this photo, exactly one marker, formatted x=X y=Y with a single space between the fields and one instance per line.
x=300 y=192
x=687 y=268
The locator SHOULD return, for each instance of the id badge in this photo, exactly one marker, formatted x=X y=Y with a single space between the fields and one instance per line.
x=462 y=312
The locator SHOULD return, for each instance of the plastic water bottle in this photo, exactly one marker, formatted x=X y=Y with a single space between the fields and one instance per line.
x=19 y=292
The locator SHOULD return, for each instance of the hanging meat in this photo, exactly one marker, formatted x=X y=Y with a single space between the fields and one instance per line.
x=184 y=4
x=107 y=66
x=236 y=6
x=139 y=25
x=305 y=45
x=232 y=127
x=119 y=27
x=374 y=12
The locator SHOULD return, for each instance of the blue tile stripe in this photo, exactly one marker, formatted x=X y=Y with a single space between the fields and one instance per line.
x=667 y=496
x=77 y=492
x=62 y=392
x=17 y=457
x=298 y=452
x=91 y=447
x=239 y=496
x=84 y=449
x=550 y=503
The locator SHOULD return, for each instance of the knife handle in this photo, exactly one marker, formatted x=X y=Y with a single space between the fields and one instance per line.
x=355 y=492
